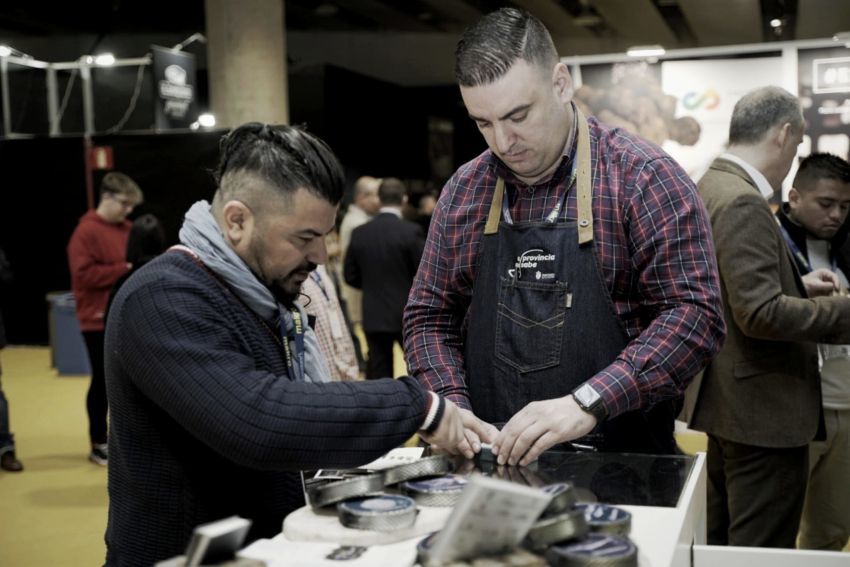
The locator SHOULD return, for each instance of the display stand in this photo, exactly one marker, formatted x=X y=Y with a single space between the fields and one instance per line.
x=664 y=534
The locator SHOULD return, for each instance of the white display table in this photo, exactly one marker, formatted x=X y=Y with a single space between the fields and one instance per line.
x=664 y=534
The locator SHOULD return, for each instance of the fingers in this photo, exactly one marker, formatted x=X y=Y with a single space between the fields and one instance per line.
x=477 y=430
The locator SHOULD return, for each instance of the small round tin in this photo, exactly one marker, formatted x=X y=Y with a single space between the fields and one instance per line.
x=429 y=466
x=596 y=550
x=565 y=526
x=385 y=513
x=333 y=492
x=603 y=518
x=563 y=498
x=440 y=491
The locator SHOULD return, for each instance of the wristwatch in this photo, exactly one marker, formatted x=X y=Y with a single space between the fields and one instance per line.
x=590 y=401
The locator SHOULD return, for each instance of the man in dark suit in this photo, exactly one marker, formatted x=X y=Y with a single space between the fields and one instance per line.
x=381 y=260
x=760 y=398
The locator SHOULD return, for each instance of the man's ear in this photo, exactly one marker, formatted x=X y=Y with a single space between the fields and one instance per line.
x=783 y=134
x=238 y=222
x=562 y=83
x=793 y=197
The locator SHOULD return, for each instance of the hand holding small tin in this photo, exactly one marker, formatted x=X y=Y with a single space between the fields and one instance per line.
x=539 y=426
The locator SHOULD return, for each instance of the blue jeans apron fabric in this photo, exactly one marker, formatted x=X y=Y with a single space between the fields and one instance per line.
x=542 y=321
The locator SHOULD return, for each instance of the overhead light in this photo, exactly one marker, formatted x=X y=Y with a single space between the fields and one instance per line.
x=775 y=23
x=104 y=60
x=843 y=37
x=645 y=51
x=206 y=120
x=5 y=51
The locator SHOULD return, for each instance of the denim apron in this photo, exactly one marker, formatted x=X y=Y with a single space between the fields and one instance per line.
x=542 y=321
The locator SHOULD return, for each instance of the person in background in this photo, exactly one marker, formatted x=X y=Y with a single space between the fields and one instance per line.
x=320 y=301
x=146 y=242
x=218 y=390
x=381 y=261
x=759 y=399
x=815 y=226
x=8 y=460
x=568 y=285
x=97 y=259
x=363 y=208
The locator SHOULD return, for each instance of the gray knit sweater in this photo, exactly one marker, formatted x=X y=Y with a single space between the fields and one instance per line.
x=205 y=423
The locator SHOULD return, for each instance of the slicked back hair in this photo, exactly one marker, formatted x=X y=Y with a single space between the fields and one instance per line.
x=285 y=158
x=761 y=110
x=491 y=46
x=820 y=166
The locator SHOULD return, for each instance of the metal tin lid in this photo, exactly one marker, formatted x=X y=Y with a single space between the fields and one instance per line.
x=563 y=498
x=333 y=492
x=565 y=526
x=429 y=466
x=607 y=519
x=423 y=548
x=383 y=513
x=440 y=491
x=597 y=550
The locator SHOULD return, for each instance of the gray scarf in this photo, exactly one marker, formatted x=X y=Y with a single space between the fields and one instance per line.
x=201 y=234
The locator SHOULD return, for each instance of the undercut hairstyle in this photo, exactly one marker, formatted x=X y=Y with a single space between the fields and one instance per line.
x=117 y=183
x=491 y=46
x=392 y=192
x=820 y=166
x=282 y=159
x=761 y=110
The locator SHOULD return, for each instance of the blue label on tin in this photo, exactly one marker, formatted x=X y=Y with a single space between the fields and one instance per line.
x=599 y=545
x=603 y=513
x=378 y=504
x=556 y=489
x=447 y=483
x=426 y=543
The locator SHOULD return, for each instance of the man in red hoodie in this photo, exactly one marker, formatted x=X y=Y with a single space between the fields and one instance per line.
x=97 y=258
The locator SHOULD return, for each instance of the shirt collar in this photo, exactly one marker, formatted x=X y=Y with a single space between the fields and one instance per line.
x=757 y=176
x=391 y=210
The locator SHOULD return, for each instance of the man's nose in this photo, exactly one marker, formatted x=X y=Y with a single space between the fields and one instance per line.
x=504 y=138
x=317 y=252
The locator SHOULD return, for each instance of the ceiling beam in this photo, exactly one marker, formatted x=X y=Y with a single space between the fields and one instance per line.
x=720 y=22
x=636 y=19
x=385 y=15
x=555 y=17
x=822 y=18
x=459 y=12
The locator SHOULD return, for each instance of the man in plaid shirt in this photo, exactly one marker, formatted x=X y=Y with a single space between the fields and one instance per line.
x=569 y=286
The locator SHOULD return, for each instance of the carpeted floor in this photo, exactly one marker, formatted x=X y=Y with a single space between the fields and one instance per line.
x=54 y=512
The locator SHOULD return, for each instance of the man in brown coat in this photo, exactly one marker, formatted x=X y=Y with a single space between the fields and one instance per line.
x=760 y=398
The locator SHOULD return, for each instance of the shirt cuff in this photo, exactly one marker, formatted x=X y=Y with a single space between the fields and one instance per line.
x=435 y=405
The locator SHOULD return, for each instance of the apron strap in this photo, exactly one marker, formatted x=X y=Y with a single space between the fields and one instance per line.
x=583 y=181
x=494 y=216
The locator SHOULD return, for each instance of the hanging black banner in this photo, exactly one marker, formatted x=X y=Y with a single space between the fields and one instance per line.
x=174 y=88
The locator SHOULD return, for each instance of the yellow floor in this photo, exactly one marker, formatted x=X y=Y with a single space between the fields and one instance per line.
x=54 y=512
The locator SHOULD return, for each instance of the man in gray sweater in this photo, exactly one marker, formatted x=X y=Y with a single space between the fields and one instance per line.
x=218 y=391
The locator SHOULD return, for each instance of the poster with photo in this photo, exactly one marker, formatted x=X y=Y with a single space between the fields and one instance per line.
x=824 y=89
x=707 y=90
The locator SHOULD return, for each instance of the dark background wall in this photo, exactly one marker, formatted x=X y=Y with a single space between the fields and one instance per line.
x=375 y=128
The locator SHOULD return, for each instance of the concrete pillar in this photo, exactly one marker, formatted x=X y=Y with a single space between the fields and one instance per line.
x=246 y=57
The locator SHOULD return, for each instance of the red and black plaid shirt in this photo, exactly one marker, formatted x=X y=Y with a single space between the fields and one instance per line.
x=653 y=243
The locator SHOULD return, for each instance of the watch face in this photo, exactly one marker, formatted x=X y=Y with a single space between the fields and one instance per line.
x=586 y=396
